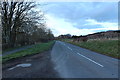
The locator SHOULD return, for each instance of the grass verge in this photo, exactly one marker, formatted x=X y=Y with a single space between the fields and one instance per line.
x=106 y=47
x=10 y=49
x=37 y=48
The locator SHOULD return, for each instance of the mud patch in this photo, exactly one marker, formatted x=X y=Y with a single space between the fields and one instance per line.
x=35 y=66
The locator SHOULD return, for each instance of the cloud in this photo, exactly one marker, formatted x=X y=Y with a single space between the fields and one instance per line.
x=60 y=26
x=104 y=25
x=74 y=11
x=78 y=12
x=81 y=18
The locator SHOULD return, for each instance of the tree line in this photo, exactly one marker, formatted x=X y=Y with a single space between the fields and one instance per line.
x=22 y=25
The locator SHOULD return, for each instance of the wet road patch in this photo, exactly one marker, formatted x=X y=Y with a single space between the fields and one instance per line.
x=20 y=65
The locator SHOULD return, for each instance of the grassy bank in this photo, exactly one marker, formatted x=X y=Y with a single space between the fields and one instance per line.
x=10 y=49
x=38 y=48
x=106 y=47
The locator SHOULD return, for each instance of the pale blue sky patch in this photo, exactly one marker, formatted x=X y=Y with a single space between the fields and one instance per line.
x=81 y=18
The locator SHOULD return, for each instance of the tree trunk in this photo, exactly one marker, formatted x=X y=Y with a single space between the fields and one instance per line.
x=12 y=38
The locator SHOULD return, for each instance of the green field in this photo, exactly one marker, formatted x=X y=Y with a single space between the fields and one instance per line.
x=106 y=47
x=38 y=48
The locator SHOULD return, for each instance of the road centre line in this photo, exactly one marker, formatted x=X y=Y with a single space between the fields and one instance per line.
x=90 y=60
x=69 y=48
x=87 y=58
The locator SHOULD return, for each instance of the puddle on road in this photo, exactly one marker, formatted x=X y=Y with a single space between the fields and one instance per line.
x=20 y=65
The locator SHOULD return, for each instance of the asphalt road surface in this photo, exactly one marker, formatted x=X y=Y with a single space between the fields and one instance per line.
x=63 y=61
x=75 y=62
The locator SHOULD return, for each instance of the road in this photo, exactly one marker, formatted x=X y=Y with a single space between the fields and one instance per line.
x=74 y=62
x=63 y=61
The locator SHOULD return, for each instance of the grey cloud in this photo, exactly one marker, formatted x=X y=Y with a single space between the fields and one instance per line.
x=78 y=12
x=87 y=26
x=101 y=11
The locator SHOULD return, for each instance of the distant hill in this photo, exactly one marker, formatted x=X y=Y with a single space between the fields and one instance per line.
x=111 y=34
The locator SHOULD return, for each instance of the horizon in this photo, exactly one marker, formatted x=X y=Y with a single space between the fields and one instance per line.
x=88 y=34
x=80 y=18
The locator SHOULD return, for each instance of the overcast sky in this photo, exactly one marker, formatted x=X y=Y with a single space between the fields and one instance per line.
x=81 y=18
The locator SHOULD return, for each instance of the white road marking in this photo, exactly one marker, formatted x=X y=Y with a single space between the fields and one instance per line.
x=90 y=60
x=69 y=48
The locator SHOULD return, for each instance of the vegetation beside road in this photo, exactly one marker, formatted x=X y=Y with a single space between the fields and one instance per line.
x=106 y=47
x=37 y=48
x=13 y=48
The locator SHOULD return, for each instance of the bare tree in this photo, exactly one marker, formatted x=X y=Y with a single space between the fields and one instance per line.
x=13 y=15
x=21 y=24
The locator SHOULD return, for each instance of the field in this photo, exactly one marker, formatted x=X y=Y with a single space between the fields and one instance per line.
x=38 y=48
x=106 y=47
